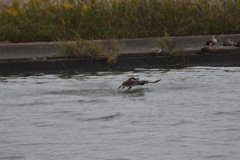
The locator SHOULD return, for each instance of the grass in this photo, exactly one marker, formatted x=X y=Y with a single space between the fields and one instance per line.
x=167 y=46
x=50 y=20
x=97 y=50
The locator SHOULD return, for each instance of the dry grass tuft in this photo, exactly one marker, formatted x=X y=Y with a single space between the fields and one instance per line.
x=109 y=50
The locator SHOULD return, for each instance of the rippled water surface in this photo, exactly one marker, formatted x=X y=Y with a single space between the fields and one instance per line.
x=191 y=114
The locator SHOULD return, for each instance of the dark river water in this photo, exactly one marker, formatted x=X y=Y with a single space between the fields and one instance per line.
x=191 y=114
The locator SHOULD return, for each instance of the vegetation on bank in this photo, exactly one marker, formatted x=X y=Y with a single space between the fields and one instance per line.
x=51 y=20
x=167 y=46
x=79 y=48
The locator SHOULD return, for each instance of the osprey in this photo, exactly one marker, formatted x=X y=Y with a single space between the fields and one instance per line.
x=133 y=81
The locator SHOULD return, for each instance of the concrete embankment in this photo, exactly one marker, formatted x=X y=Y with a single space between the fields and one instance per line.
x=35 y=58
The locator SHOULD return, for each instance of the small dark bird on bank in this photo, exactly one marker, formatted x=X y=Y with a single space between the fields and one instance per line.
x=158 y=51
x=228 y=42
x=237 y=44
x=211 y=42
x=133 y=81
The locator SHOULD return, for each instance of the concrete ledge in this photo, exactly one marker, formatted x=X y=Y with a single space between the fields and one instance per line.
x=131 y=46
x=56 y=66
x=27 y=50
x=36 y=58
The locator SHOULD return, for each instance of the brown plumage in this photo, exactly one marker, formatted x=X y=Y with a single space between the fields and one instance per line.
x=211 y=42
x=134 y=82
x=228 y=42
x=207 y=49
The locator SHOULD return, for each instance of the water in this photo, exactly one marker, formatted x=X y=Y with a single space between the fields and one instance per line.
x=191 y=114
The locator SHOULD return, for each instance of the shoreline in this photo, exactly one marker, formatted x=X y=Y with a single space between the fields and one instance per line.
x=37 y=58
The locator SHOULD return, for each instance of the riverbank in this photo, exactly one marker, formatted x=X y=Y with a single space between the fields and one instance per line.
x=36 y=58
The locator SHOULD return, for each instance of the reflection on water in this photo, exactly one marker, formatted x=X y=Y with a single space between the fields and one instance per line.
x=192 y=113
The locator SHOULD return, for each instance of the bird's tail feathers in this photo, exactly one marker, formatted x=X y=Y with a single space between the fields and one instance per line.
x=154 y=81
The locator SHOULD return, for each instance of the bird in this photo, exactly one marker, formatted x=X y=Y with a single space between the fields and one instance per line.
x=211 y=42
x=133 y=81
x=207 y=49
x=237 y=44
x=158 y=51
x=228 y=42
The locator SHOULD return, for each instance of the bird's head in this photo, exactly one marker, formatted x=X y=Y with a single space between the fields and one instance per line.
x=135 y=78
